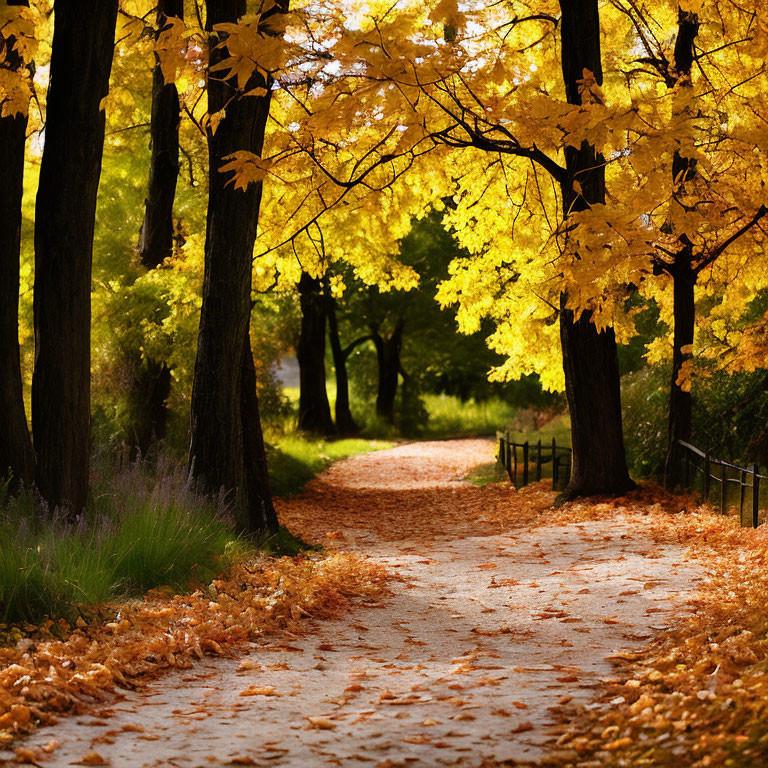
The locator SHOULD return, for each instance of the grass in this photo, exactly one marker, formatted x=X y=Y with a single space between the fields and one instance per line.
x=450 y=417
x=140 y=531
x=294 y=460
x=558 y=428
x=487 y=474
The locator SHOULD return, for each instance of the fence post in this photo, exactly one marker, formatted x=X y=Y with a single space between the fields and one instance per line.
x=514 y=459
x=508 y=462
x=525 y=463
x=723 y=488
x=500 y=456
x=555 y=470
x=707 y=477
x=686 y=468
x=755 y=494
x=538 y=460
x=742 y=488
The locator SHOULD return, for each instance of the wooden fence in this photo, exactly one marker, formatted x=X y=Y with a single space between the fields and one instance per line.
x=518 y=468
x=747 y=479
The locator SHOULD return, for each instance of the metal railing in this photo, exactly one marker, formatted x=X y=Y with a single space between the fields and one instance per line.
x=747 y=479
x=534 y=456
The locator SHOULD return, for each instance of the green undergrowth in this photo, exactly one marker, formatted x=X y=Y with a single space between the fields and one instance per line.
x=294 y=460
x=487 y=474
x=145 y=527
x=142 y=529
x=449 y=416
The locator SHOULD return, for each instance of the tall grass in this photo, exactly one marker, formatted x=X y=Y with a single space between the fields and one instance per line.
x=141 y=530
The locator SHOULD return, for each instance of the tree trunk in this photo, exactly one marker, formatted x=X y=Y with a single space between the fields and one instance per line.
x=149 y=392
x=314 y=409
x=590 y=359
x=81 y=60
x=262 y=515
x=156 y=236
x=226 y=449
x=388 y=356
x=151 y=383
x=683 y=274
x=345 y=423
x=17 y=461
x=680 y=400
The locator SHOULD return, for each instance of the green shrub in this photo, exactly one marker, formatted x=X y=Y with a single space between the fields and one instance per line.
x=730 y=417
x=644 y=398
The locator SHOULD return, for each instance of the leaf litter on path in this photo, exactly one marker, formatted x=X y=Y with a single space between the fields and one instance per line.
x=454 y=668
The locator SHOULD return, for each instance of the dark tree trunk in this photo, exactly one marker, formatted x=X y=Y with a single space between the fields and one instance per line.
x=680 y=401
x=261 y=511
x=226 y=449
x=314 y=409
x=683 y=274
x=149 y=392
x=81 y=60
x=590 y=359
x=156 y=237
x=17 y=461
x=151 y=384
x=345 y=423
x=388 y=356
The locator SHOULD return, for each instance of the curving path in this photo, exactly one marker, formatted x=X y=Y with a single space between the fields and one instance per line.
x=496 y=622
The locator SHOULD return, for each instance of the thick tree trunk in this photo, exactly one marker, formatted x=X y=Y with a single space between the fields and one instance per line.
x=17 y=461
x=151 y=384
x=226 y=449
x=388 y=356
x=590 y=359
x=345 y=423
x=83 y=43
x=314 y=409
x=680 y=400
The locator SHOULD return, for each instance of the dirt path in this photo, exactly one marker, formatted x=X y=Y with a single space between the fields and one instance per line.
x=494 y=624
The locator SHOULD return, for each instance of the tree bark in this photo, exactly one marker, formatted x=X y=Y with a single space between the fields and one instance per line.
x=680 y=400
x=151 y=382
x=345 y=423
x=261 y=511
x=83 y=43
x=683 y=273
x=314 y=409
x=226 y=449
x=590 y=359
x=156 y=236
x=149 y=392
x=388 y=357
x=17 y=463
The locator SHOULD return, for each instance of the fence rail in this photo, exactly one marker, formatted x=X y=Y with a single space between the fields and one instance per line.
x=697 y=462
x=518 y=469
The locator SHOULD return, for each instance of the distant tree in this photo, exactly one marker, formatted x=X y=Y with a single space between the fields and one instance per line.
x=16 y=456
x=81 y=60
x=414 y=340
x=151 y=383
x=314 y=409
x=345 y=422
